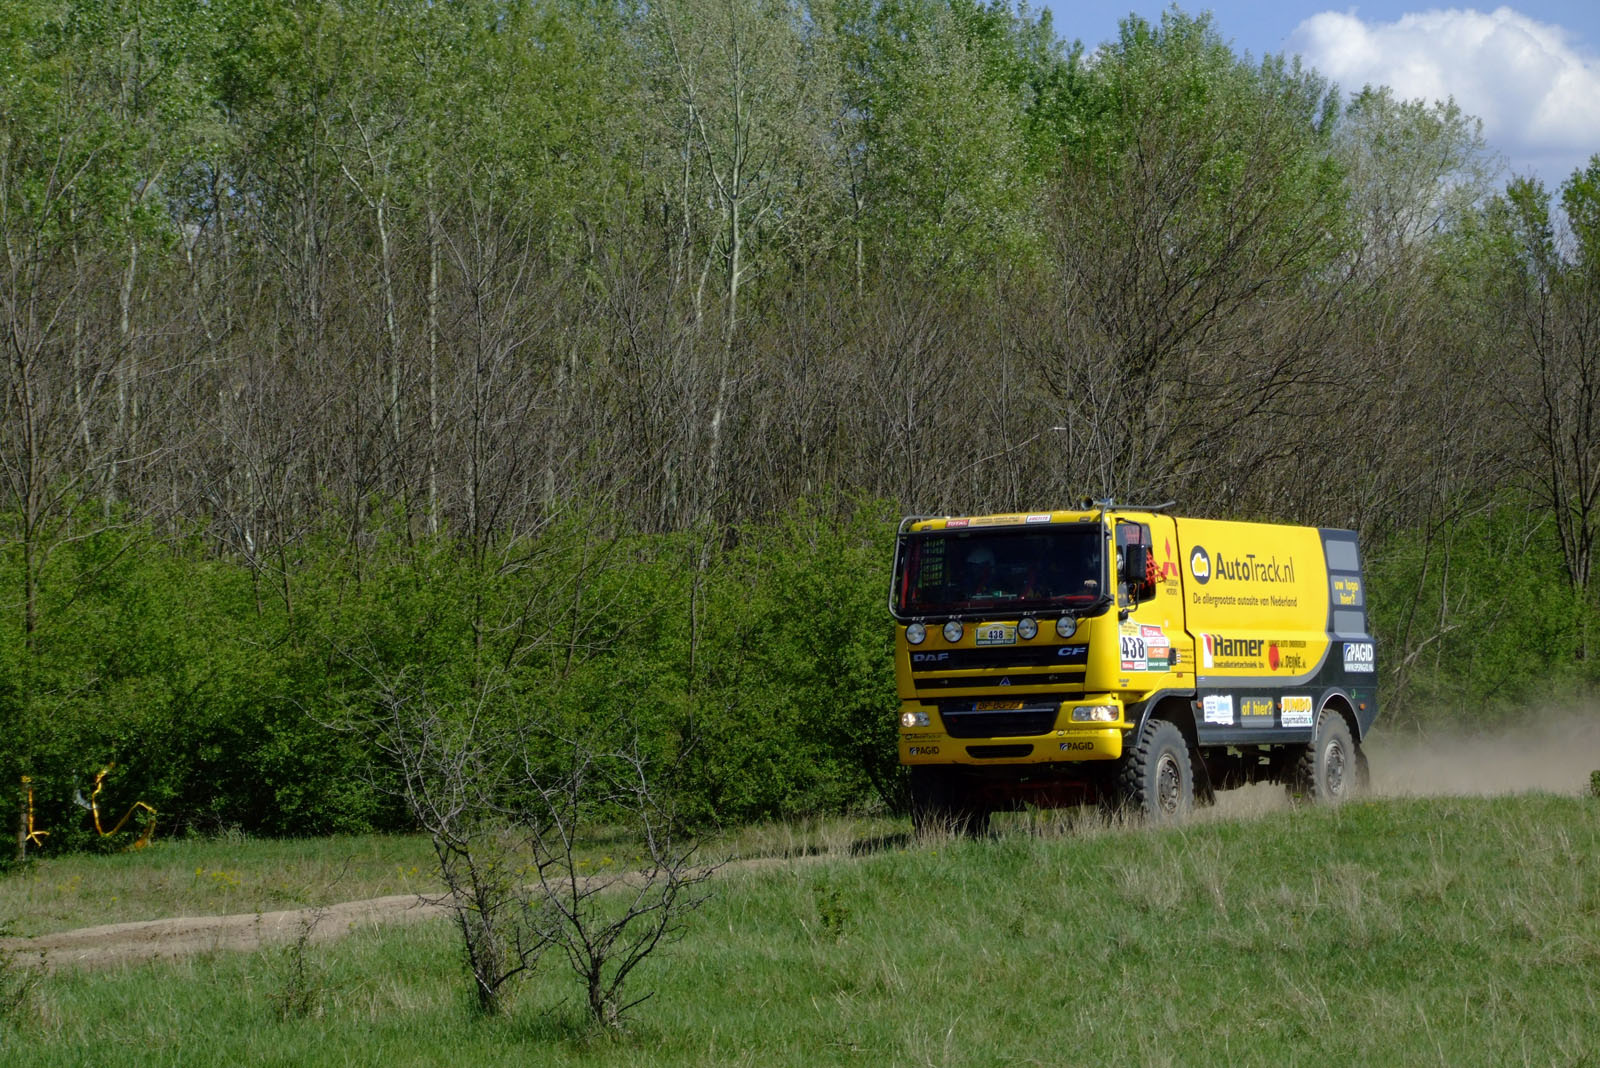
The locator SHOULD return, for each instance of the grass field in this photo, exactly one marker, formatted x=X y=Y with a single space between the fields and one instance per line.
x=1418 y=931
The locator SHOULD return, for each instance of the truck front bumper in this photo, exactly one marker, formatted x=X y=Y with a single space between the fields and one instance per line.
x=929 y=742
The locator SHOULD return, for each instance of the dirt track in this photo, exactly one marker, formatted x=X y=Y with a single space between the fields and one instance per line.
x=123 y=943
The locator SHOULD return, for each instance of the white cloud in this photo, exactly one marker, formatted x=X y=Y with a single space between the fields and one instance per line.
x=1538 y=95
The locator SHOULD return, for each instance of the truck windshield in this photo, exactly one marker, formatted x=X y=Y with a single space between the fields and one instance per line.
x=1052 y=570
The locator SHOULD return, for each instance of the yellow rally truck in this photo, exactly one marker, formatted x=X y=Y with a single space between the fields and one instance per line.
x=1128 y=657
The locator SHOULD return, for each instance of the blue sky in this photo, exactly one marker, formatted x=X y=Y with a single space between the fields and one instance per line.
x=1529 y=69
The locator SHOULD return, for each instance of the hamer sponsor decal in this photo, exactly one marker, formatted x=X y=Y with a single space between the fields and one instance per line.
x=1220 y=651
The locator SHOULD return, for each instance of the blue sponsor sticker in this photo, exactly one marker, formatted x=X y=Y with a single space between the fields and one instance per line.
x=1360 y=656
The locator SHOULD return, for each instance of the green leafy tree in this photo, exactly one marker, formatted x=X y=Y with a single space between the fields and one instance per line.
x=933 y=135
x=1545 y=293
x=1196 y=219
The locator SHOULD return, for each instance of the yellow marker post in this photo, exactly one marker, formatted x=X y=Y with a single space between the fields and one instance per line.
x=30 y=832
x=94 y=808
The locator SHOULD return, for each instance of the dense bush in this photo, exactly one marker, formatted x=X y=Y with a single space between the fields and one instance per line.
x=758 y=667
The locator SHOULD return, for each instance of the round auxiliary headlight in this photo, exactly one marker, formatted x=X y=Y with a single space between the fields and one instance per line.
x=1027 y=628
x=915 y=633
x=952 y=631
x=1066 y=626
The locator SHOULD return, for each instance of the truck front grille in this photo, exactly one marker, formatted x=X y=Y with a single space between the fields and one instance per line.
x=989 y=682
x=1061 y=668
x=999 y=658
x=964 y=722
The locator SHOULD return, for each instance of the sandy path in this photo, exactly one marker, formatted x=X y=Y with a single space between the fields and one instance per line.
x=123 y=943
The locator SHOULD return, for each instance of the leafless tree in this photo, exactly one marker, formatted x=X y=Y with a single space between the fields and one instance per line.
x=509 y=809
x=607 y=923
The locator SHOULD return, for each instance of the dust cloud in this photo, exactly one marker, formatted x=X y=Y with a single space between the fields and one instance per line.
x=1551 y=752
x=1554 y=752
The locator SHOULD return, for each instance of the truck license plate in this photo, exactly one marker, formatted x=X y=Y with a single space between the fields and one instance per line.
x=996 y=706
x=997 y=634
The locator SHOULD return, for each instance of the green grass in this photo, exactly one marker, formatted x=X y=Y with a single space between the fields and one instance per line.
x=1440 y=931
x=203 y=877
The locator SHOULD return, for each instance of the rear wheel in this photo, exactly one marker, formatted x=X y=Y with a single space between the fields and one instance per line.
x=1332 y=769
x=1156 y=780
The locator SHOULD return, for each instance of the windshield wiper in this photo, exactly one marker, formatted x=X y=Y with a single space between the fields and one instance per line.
x=1095 y=607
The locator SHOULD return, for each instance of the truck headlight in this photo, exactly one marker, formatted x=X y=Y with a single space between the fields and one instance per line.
x=913 y=719
x=1066 y=626
x=915 y=633
x=1094 y=714
x=1027 y=628
x=953 y=631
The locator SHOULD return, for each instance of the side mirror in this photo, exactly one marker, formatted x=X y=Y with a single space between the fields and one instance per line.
x=1135 y=567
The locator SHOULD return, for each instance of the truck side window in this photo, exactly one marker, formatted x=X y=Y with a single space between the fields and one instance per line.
x=1135 y=564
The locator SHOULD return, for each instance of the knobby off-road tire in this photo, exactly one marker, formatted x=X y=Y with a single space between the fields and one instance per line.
x=1332 y=769
x=1156 y=780
x=938 y=807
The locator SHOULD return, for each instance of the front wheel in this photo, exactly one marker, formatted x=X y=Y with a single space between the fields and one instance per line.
x=1332 y=769
x=1156 y=781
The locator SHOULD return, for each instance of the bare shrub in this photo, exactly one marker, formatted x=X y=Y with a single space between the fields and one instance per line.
x=508 y=807
x=609 y=922
x=298 y=978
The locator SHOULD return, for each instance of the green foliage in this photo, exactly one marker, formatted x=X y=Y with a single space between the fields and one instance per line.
x=765 y=676
x=794 y=702
x=1415 y=170
x=945 y=156
x=833 y=911
x=300 y=990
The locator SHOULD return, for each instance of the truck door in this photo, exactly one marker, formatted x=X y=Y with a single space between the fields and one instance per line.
x=1155 y=651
